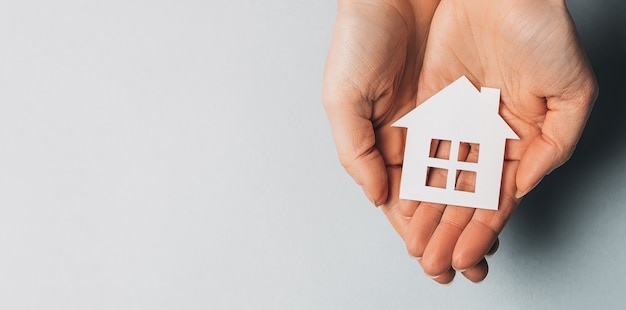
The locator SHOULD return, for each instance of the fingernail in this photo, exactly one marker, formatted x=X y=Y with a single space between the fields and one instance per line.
x=459 y=270
x=432 y=277
x=552 y=170
x=372 y=201
x=369 y=197
x=448 y=284
x=415 y=257
x=376 y=205
x=519 y=194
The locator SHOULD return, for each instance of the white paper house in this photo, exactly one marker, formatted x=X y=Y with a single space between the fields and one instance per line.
x=460 y=114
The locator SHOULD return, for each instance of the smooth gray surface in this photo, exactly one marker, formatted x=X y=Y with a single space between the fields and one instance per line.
x=175 y=155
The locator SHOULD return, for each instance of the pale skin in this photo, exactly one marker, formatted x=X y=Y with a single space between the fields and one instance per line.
x=386 y=57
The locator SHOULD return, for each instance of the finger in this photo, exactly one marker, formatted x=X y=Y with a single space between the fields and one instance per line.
x=437 y=256
x=478 y=272
x=563 y=125
x=393 y=207
x=427 y=215
x=482 y=231
x=421 y=227
x=494 y=248
x=446 y=277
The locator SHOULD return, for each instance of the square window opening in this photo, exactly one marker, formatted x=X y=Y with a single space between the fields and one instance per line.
x=440 y=149
x=465 y=181
x=436 y=177
x=468 y=152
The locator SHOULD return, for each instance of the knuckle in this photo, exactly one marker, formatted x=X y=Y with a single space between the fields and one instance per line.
x=451 y=226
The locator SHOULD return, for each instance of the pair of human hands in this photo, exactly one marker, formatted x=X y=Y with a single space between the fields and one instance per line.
x=387 y=56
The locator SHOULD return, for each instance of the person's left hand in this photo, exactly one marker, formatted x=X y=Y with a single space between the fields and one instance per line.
x=530 y=50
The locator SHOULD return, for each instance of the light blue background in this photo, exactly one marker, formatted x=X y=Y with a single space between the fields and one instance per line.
x=175 y=155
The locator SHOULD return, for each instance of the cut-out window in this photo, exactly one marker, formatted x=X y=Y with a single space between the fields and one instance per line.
x=465 y=181
x=437 y=177
x=440 y=149
x=468 y=152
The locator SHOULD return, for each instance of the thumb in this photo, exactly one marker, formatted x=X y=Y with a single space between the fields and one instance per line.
x=541 y=157
x=355 y=141
x=347 y=83
x=560 y=132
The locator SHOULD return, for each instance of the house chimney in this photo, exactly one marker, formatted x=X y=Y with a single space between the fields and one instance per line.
x=491 y=97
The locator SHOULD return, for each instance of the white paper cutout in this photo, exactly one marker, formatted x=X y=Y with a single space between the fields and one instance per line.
x=458 y=113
